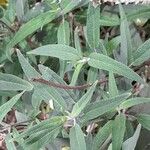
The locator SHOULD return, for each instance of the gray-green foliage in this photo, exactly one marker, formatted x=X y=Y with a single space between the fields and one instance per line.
x=66 y=72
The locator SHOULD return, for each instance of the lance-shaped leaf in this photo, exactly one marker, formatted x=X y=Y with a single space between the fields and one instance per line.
x=134 y=101
x=98 y=108
x=113 y=91
x=43 y=91
x=103 y=62
x=38 y=22
x=63 y=36
x=132 y=141
x=5 y=108
x=93 y=26
x=30 y=27
x=144 y=120
x=50 y=75
x=42 y=133
x=44 y=125
x=77 y=41
x=43 y=138
x=29 y=71
x=80 y=105
x=60 y=51
x=77 y=140
x=126 y=43
x=118 y=130
x=10 y=82
x=142 y=53
x=102 y=135
x=49 y=93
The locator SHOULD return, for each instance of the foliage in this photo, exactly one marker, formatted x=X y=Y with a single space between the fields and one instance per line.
x=67 y=68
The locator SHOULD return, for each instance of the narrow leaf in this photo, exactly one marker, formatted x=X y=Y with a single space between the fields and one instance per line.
x=132 y=141
x=102 y=135
x=50 y=75
x=63 y=52
x=63 y=34
x=118 y=130
x=126 y=43
x=76 y=73
x=77 y=140
x=5 y=108
x=84 y=100
x=43 y=139
x=92 y=75
x=144 y=120
x=37 y=22
x=134 y=101
x=98 y=108
x=10 y=82
x=30 y=27
x=142 y=54
x=46 y=93
x=50 y=123
x=113 y=91
x=29 y=71
x=103 y=62
x=93 y=26
x=77 y=41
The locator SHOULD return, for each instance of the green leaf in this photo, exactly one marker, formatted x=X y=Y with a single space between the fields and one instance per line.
x=77 y=41
x=132 y=141
x=106 y=20
x=76 y=73
x=102 y=135
x=36 y=99
x=103 y=62
x=113 y=44
x=9 y=143
x=5 y=108
x=84 y=100
x=51 y=123
x=69 y=5
x=45 y=92
x=113 y=91
x=50 y=75
x=144 y=120
x=30 y=27
x=126 y=43
x=92 y=75
x=60 y=51
x=142 y=54
x=29 y=71
x=140 y=12
x=77 y=140
x=134 y=101
x=11 y=11
x=98 y=108
x=38 y=22
x=93 y=26
x=118 y=130
x=10 y=82
x=63 y=34
x=50 y=93
x=42 y=139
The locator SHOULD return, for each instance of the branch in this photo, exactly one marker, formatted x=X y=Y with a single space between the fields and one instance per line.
x=67 y=87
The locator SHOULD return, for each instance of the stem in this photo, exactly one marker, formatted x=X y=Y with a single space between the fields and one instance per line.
x=67 y=87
